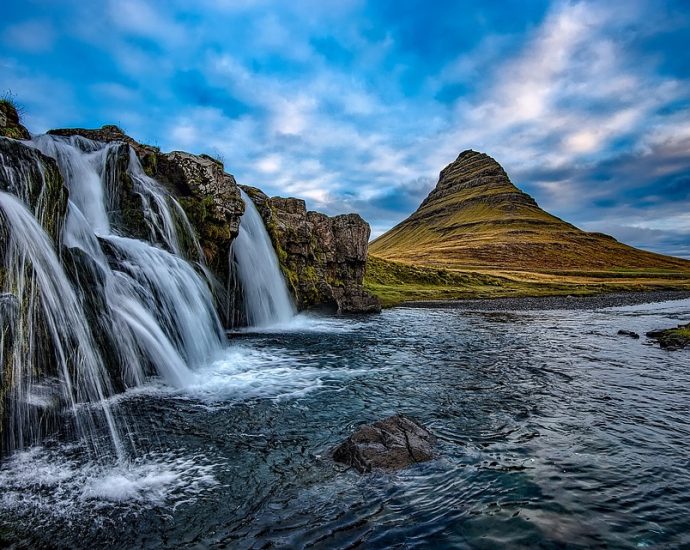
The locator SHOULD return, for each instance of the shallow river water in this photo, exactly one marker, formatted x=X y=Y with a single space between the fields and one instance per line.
x=553 y=431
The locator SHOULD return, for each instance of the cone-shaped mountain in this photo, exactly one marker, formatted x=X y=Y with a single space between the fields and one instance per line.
x=476 y=217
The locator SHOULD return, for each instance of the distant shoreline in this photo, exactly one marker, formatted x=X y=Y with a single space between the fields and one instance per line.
x=596 y=301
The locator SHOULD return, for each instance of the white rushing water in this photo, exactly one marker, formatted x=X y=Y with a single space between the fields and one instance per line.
x=35 y=276
x=266 y=297
x=151 y=312
x=115 y=309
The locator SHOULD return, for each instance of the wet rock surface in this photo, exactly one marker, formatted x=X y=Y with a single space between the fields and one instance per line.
x=209 y=195
x=36 y=180
x=391 y=444
x=630 y=333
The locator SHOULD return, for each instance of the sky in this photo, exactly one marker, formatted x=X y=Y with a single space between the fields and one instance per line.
x=357 y=106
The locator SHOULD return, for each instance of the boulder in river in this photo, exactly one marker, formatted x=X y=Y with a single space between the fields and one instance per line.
x=390 y=444
x=672 y=338
x=630 y=333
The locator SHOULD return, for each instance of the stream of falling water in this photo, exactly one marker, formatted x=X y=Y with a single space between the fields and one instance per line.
x=266 y=297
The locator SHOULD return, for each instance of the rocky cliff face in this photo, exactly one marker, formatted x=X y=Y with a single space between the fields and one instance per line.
x=209 y=196
x=323 y=258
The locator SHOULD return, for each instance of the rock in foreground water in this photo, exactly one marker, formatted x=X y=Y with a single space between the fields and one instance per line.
x=390 y=444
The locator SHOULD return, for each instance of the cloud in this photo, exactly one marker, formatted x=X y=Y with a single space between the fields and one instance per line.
x=33 y=35
x=357 y=105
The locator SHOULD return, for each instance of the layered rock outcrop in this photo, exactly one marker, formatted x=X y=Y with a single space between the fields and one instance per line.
x=323 y=258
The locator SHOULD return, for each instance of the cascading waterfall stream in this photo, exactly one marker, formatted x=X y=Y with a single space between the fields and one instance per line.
x=267 y=300
x=134 y=308
x=46 y=298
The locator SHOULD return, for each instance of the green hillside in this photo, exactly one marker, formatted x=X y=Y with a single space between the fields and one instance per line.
x=476 y=222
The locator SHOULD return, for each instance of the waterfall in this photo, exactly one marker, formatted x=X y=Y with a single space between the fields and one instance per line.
x=47 y=302
x=267 y=300
x=117 y=309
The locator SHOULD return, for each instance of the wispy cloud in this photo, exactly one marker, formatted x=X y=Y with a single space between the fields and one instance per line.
x=356 y=105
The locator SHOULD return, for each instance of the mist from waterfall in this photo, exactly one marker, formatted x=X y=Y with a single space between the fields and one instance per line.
x=267 y=300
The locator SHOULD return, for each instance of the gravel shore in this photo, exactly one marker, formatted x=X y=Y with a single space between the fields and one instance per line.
x=555 y=302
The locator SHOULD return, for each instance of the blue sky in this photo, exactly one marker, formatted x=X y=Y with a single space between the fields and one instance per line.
x=356 y=106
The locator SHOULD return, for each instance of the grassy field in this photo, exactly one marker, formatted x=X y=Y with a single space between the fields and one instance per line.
x=397 y=282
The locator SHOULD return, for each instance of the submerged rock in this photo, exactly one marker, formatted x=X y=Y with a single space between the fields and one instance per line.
x=390 y=444
x=630 y=333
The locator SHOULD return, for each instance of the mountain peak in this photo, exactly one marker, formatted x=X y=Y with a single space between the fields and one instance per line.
x=475 y=177
x=477 y=217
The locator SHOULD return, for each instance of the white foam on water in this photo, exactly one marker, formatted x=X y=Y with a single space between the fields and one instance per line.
x=51 y=484
x=304 y=322
x=242 y=373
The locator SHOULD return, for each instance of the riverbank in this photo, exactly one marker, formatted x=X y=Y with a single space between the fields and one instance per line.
x=555 y=302
x=397 y=283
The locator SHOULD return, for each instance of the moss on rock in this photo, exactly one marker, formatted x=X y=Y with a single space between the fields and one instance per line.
x=10 y=123
x=322 y=258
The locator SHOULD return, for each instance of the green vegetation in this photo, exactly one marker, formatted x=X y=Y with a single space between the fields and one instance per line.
x=8 y=101
x=683 y=332
x=397 y=282
x=478 y=236
x=672 y=338
x=10 y=112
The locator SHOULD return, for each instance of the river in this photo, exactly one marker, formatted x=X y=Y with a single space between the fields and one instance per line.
x=553 y=431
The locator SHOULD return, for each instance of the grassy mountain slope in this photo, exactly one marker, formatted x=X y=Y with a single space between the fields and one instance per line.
x=477 y=223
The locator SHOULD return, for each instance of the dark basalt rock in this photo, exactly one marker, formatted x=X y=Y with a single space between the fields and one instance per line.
x=630 y=333
x=391 y=444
